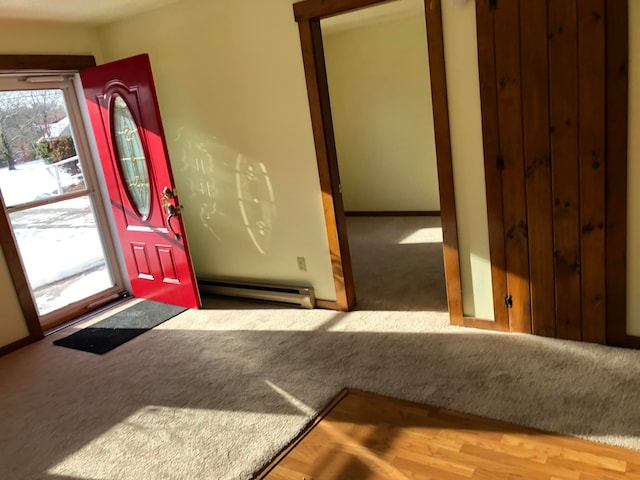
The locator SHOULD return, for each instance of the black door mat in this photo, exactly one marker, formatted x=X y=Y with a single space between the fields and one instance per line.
x=121 y=327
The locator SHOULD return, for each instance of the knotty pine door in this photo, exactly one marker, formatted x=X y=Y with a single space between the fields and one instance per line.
x=551 y=75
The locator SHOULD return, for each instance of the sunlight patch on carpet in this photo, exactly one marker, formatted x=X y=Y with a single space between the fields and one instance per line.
x=423 y=235
x=305 y=409
x=141 y=443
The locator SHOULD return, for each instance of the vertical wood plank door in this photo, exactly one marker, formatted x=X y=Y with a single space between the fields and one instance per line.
x=591 y=103
x=563 y=85
x=537 y=162
x=507 y=52
x=545 y=93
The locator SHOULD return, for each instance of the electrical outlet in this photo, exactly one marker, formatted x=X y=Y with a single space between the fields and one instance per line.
x=302 y=264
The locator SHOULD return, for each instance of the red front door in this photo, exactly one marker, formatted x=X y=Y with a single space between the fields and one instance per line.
x=126 y=122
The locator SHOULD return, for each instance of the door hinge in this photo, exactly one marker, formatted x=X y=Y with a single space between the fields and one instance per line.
x=508 y=301
x=500 y=162
x=493 y=4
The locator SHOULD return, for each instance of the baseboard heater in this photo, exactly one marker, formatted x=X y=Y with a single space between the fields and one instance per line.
x=303 y=296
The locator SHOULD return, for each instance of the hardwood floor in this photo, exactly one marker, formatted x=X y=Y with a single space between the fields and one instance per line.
x=365 y=436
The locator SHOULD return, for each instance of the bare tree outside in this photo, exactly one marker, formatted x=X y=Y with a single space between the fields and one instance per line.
x=25 y=118
x=50 y=210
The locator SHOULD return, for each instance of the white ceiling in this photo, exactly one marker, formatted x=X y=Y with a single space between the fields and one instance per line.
x=77 y=11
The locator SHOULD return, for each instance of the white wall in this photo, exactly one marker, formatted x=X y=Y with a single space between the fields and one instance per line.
x=35 y=38
x=463 y=85
x=232 y=93
x=12 y=324
x=633 y=178
x=233 y=99
x=382 y=115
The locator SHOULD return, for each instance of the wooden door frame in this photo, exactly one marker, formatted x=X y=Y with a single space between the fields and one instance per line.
x=308 y=14
x=18 y=63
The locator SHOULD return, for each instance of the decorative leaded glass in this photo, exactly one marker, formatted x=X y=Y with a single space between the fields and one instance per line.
x=133 y=163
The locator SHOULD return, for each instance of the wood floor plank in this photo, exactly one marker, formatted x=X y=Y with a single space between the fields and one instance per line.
x=584 y=467
x=403 y=460
x=439 y=470
x=497 y=447
x=553 y=442
x=369 y=437
x=598 y=476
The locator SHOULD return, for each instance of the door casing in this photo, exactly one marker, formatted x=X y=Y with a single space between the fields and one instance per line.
x=308 y=14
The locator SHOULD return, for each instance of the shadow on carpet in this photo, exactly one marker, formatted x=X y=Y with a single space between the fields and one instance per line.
x=121 y=327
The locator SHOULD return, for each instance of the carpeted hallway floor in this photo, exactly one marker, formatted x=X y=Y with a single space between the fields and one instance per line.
x=216 y=393
x=397 y=263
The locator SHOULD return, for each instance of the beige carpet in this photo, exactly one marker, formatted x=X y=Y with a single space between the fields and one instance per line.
x=215 y=394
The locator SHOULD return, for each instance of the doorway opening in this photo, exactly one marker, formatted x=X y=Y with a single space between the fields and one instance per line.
x=379 y=87
x=50 y=198
x=309 y=14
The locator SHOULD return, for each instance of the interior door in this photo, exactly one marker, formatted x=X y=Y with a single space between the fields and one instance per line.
x=124 y=114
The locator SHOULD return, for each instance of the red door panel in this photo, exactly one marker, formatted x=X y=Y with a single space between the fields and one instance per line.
x=124 y=114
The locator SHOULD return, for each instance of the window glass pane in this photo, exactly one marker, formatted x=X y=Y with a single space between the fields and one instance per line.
x=38 y=158
x=62 y=252
x=133 y=163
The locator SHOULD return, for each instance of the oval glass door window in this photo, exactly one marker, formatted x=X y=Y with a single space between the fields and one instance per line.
x=133 y=164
